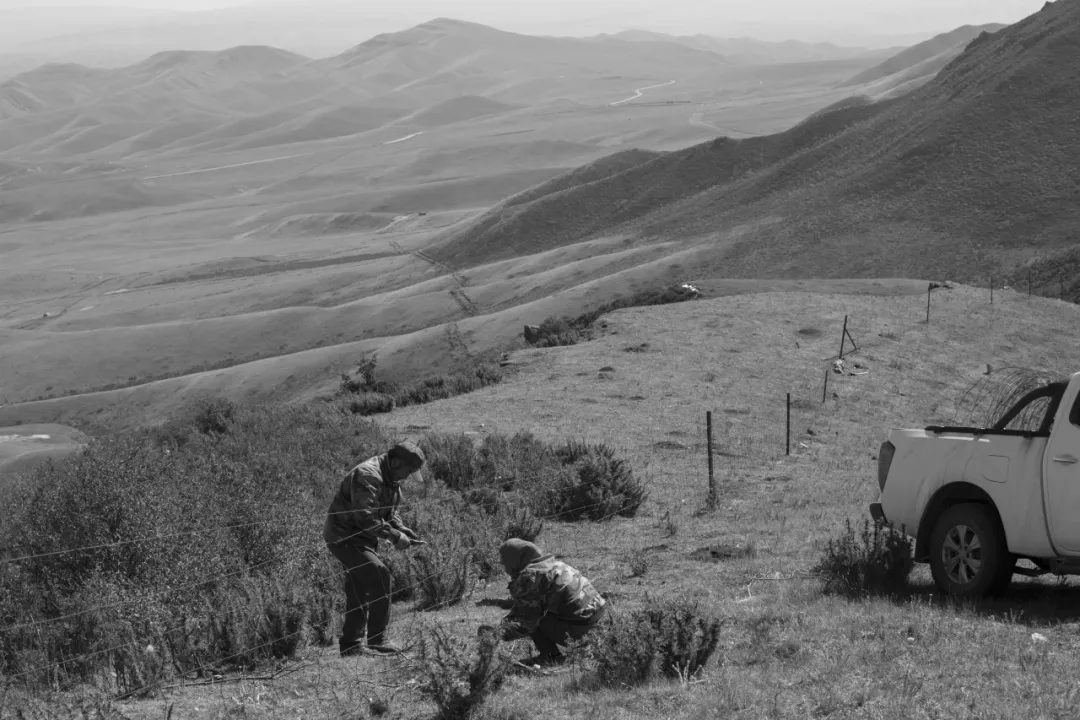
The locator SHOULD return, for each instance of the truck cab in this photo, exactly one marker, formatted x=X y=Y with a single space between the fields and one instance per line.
x=977 y=500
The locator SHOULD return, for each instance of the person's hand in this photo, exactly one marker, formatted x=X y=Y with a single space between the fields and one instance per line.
x=403 y=542
x=412 y=534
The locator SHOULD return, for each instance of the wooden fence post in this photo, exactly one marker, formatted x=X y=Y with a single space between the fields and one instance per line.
x=825 y=388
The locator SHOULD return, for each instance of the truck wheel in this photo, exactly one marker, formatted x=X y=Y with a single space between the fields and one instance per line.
x=968 y=555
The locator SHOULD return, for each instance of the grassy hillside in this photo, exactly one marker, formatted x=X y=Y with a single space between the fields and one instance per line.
x=966 y=176
x=785 y=648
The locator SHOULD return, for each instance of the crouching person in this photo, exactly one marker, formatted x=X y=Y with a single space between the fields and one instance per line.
x=364 y=511
x=553 y=603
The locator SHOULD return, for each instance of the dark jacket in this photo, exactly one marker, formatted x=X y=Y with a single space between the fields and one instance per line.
x=364 y=510
x=548 y=586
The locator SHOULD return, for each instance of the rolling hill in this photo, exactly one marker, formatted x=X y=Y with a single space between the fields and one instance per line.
x=426 y=60
x=945 y=47
x=426 y=193
x=970 y=174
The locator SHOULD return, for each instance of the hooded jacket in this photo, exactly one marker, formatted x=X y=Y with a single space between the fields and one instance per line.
x=541 y=585
x=364 y=510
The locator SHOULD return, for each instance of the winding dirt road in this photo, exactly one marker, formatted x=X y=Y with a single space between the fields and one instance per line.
x=639 y=92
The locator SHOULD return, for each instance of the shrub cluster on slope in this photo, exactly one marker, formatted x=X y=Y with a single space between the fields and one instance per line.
x=558 y=331
x=362 y=394
x=197 y=547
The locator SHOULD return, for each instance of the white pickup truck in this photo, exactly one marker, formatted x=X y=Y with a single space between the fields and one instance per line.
x=977 y=500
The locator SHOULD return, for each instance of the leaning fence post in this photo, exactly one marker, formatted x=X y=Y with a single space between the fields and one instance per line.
x=843 y=337
x=825 y=387
x=788 y=451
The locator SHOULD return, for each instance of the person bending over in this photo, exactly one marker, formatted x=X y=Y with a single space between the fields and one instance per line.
x=364 y=511
x=553 y=602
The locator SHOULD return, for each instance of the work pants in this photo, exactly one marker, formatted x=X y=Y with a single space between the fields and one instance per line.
x=367 y=594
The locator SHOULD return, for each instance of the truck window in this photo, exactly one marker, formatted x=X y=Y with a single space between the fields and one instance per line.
x=1074 y=414
x=1035 y=412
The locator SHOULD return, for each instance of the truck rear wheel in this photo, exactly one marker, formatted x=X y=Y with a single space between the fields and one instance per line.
x=968 y=555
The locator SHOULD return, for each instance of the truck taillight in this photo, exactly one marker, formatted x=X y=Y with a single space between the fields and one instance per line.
x=884 y=460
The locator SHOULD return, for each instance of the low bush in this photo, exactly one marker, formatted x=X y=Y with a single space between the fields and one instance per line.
x=363 y=394
x=600 y=486
x=573 y=481
x=457 y=685
x=874 y=561
x=370 y=403
x=671 y=638
x=461 y=547
x=451 y=459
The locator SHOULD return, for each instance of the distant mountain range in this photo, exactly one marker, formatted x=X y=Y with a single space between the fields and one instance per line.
x=116 y=37
x=757 y=52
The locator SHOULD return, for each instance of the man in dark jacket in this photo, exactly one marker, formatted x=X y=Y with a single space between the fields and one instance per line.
x=364 y=511
x=553 y=602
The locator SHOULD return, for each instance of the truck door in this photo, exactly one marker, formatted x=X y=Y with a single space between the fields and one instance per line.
x=1061 y=476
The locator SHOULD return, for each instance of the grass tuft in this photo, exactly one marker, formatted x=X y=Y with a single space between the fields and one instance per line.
x=875 y=561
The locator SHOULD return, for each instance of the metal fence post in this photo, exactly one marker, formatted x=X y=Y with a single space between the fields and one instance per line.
x=788 y=451
x=708 y=445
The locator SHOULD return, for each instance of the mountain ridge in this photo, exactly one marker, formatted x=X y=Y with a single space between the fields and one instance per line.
x=926 y=165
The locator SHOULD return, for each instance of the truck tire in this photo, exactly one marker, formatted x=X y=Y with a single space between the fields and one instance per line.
x=968 y=555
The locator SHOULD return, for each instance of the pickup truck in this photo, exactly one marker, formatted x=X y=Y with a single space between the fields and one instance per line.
x=978 y=500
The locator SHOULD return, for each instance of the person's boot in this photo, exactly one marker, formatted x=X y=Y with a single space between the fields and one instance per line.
x=347 y=649
x=384 y=647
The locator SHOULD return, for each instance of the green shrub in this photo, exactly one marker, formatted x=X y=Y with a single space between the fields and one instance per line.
x=517 y=462
x=212 y=416
x=875 y=561
x=440 y=387
x=600 y=486
x=450 y=459
x=671 y=639
x=558 y=331
x=381 y=396
x=458 y=686
x=461 y=546
x=370 y=403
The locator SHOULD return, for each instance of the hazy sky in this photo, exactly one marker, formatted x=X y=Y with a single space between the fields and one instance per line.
x=794 y=18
